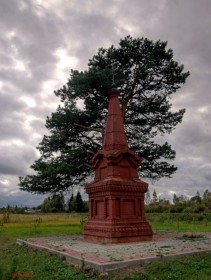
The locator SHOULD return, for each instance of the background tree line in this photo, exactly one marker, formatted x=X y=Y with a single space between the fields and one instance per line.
x=153 y=204
x=56 y=203
x=53 y=204
x=180 y=204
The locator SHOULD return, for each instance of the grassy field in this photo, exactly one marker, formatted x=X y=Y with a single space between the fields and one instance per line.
x=36 y=265
x=180 y=222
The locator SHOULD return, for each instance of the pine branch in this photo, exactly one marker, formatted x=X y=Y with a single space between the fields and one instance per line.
x=88 y=128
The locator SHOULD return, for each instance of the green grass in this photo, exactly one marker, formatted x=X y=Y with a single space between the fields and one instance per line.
x=38 y=265
x=194 y=268
x=181 y=226
x=16 y=259
x=181 y=222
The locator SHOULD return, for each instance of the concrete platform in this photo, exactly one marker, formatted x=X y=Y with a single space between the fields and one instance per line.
x=105 y=258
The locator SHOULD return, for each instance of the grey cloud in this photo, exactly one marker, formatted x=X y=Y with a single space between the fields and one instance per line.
x=6 y=59
x=11 y=127
x=32 y=27
x=81 y=28
x=193 y=136
x=21 y=81
x=15 y=160
x=187 y=27
x=9 y=103
x=35 y=41
x=8 y=168
x=12 y=130
x=21 y=199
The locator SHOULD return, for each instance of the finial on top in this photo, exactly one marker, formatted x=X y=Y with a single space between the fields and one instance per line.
x=113 y=91
x=113 y=74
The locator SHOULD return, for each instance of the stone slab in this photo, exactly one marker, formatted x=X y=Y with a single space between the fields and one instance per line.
x=105 y=258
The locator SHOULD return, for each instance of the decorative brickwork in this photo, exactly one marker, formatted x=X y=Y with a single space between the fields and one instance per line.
x=116 y=196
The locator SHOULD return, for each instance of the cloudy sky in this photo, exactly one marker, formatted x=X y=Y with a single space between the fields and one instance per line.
x=40 y=41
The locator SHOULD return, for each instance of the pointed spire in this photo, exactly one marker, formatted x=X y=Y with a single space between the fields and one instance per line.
x=114 y=138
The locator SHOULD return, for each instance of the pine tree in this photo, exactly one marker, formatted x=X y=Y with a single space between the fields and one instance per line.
x=70 y=204
x=46 y=206
x=53 y=204
x=78 y=205
x=154 y=197
x=146 y=75
x=175 y=199
x=57 y=203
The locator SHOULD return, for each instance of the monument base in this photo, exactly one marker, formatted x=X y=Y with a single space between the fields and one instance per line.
x=105 y=240
x=116 y=212
x=113 y=233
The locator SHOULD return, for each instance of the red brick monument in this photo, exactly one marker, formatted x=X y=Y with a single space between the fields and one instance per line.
x=116 y=196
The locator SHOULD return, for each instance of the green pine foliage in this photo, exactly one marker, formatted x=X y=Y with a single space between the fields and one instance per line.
x=54 y=204
x=76 y=204
x=146 y=75
x=70 y=204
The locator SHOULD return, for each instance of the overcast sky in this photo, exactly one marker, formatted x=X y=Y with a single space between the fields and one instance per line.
x=40 y=41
